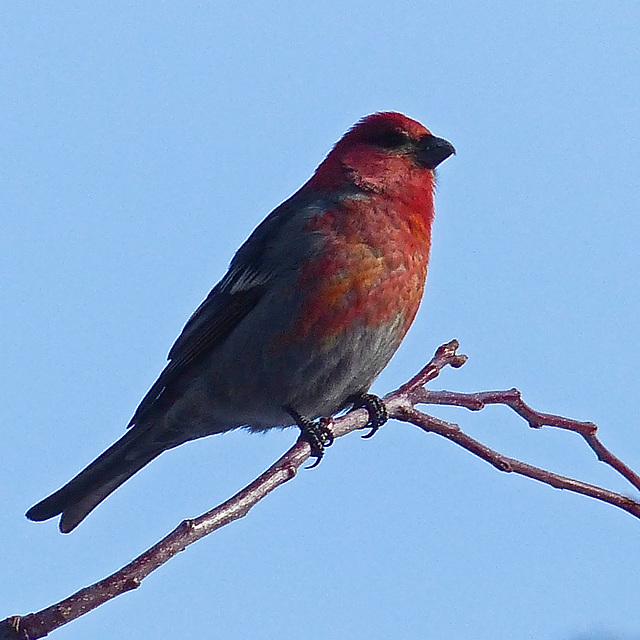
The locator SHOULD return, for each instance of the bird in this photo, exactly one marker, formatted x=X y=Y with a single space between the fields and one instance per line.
x=311 y=309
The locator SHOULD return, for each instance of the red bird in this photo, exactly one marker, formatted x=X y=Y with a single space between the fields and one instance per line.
x=312 y=308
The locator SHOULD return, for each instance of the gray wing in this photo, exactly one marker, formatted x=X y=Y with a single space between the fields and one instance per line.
x=253 y=268
x=213 y=321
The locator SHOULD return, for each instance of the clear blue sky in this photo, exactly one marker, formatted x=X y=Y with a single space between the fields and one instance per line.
x=142 y=142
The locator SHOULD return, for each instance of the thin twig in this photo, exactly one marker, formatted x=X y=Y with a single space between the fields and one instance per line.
x=504 y=463
x=513 y=399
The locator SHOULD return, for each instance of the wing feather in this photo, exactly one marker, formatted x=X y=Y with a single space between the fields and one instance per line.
x=257 y=263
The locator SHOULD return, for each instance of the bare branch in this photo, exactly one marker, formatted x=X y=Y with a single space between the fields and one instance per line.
x=511 y=465
x=401 y=405
x=38 y=625
x=513 y=398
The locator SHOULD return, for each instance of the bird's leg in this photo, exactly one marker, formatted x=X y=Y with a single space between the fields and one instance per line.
x=376 y=408
x=316 y=432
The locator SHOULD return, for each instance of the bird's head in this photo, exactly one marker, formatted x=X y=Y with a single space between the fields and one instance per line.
x=384 y=152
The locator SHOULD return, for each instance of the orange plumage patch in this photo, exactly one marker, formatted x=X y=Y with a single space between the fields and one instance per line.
x=372 y=267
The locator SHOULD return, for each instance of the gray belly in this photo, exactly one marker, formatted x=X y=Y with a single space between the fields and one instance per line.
x=247 y=380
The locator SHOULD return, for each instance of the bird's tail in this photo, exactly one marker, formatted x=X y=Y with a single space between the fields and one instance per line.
x=103 y=476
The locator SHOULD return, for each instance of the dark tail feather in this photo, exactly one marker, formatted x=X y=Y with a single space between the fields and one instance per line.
x=103 y=476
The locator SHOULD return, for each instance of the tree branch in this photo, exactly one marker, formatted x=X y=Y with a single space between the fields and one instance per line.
x=401 y=406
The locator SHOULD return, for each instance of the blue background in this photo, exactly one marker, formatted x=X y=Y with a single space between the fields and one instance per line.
x=142 y=142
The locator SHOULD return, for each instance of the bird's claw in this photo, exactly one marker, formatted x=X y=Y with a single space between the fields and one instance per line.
x=376 y=408
x=317 y=433
x=319 y=437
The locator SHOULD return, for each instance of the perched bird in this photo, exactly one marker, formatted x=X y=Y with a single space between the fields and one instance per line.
x=312 y=308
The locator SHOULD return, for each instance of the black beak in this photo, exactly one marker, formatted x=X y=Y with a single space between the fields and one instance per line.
x=431 y=151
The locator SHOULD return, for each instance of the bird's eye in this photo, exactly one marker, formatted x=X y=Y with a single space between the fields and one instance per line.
x=391 y=140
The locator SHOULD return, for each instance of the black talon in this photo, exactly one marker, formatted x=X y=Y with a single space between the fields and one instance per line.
x=376 y=408
x=317 y=433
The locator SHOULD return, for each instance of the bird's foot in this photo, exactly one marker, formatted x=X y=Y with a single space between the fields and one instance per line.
x=316 y=432
x=376 y=408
